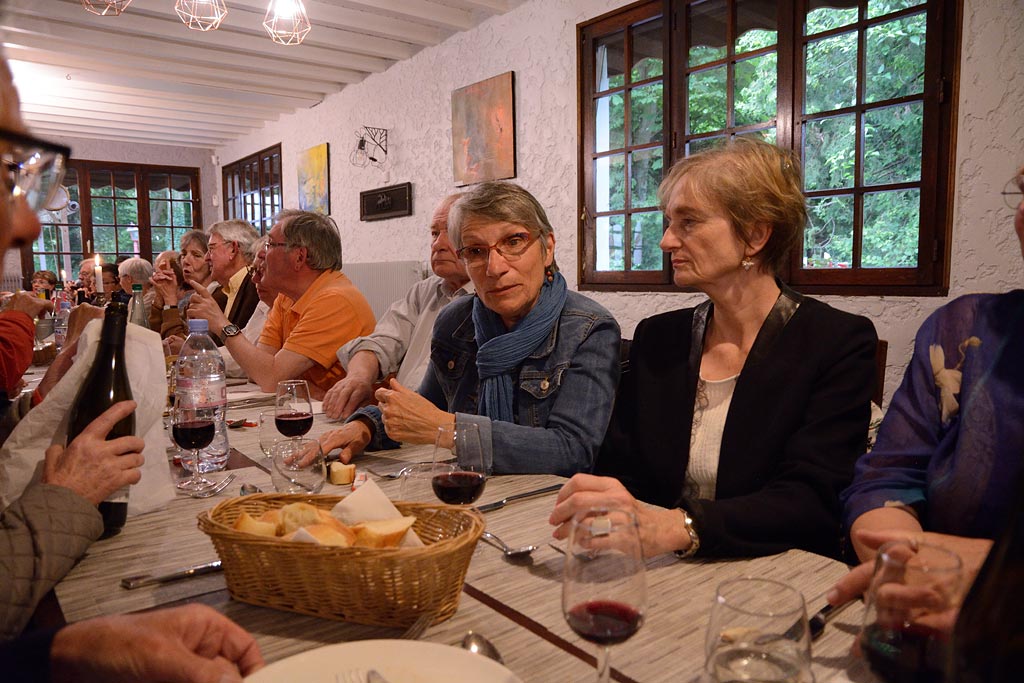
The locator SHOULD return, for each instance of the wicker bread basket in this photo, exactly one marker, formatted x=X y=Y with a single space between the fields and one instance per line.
x=381 y=587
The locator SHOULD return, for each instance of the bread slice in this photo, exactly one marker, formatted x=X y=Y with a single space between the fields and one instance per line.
x=385 y=533
x=274 y=517
x=323 y=534
x=246 y=524
x=295 y=515
x=342 y=474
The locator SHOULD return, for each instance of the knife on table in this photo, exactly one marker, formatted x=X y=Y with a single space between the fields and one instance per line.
x=498 y=504
x=133 y=582
x=826 y=614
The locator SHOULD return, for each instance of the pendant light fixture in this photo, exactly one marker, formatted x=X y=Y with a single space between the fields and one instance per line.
x=286 y=21
x=201 y=15
x=106 y=7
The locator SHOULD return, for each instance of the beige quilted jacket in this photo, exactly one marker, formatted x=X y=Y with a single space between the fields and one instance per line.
x=42 y=535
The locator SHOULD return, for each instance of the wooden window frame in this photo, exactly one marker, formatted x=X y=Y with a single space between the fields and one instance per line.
x=263 y=188
x=929 y=278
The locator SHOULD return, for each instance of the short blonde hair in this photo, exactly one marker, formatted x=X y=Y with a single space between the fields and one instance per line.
x=753 y=183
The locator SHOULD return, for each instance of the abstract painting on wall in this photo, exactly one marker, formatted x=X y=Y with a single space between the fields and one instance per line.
x=484 y=130
x=315 y=180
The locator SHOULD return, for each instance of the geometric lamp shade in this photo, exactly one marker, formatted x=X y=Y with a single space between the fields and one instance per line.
x=106 y=7
x=286 y=21
x=201 y=15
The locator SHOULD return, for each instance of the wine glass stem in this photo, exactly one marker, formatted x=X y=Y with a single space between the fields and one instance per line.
x=604 y=669
x=197 y=477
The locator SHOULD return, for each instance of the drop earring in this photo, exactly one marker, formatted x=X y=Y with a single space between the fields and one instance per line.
x=747 y=263
x=549 y=275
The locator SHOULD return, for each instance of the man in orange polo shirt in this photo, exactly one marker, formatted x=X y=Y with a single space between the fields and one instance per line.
x=317 y=311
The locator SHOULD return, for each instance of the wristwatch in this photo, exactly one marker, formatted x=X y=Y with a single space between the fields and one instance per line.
x=230 y=330
x=692 y=533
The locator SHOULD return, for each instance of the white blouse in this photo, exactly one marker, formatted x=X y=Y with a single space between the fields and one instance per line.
x=709 y=412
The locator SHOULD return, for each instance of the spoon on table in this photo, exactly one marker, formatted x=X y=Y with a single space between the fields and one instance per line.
x=510 y=552
x=474 y=642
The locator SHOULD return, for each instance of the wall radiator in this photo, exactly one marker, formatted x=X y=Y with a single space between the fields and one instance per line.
x=384 y=283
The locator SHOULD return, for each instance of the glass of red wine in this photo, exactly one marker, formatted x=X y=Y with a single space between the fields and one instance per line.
x=604 y=587
x=293 y=411
x=758 y=631
x=914 y=589
x=193 y=428
x=459 y=474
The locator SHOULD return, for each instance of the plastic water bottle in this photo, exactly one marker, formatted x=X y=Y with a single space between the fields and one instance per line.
x=137 y=308
x=60 y=323
x=200 y=383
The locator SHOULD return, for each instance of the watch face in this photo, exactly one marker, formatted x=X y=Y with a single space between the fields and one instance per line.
x=230 y=330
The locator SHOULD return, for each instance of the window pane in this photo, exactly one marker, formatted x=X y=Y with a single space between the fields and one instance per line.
x=99 y=183
x=706 y=100
x=823 y=15
x=103 y=239
x=159 y=213
x=765 y=134
x=756 y=92
x=103 y=211
x=158 y=186
x=645 y=110
x=645 y=175
x=648 y=53
x=124 y=184
x=181 y=187
x=161 y=238
x=47 y=240
x=702 y=144
x=707 y=31
x=891 y=221
x=646 y=236
x=828 y=239
x=128 y=240
x=609 y=183
x=609 y=123
x=757 y=28
x=608 y=239
x=877 y=8
x=895 y=58
x=182 y=214
x=831 y=73
x=127 y=211
x=892 y=144
x=829 y=153
x=610 y=59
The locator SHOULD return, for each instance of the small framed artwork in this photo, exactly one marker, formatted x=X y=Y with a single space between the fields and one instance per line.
x=484 y=130
x=386 y=202
x=314 y=170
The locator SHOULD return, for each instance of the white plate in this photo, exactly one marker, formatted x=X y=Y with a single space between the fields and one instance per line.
x=400 y=661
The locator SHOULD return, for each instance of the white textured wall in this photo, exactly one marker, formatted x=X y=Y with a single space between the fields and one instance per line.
x=537 y=41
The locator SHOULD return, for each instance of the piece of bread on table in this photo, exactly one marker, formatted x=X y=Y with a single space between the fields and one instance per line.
x=324 y=534
x=296 y=515
x=246 y=524
x=342 y=474
x=384 y=533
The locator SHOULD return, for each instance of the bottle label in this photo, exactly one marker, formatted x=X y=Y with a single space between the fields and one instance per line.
x=118 y=496
x=200 y=393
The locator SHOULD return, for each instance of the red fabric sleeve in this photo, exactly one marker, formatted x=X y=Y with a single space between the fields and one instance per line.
x=17 y=335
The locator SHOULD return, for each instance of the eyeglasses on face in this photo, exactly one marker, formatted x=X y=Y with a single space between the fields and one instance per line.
x=269 y=245
x=33 y=168
x=510 y=247
x=1013 y=193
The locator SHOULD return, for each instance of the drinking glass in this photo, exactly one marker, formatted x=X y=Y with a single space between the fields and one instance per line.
x=193 y=428
x=459 y=474
x=914 y=588
x=293 y=411
x=268 y=433
x=416 y=483
x=758 y=632
x=604 y=588
x=298 y=466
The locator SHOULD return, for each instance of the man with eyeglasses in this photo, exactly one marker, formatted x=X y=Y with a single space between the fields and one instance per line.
x=317 y=311
x=52 y=523
x=229 y=253
x=400 y=342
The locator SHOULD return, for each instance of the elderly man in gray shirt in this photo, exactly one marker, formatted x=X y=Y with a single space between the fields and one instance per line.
x=400 y=343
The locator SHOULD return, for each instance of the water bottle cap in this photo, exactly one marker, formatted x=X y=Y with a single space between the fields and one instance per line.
x=198 y=325
x=136 y=288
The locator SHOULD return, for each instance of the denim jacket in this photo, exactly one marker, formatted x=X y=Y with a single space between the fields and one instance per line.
x=563 y=401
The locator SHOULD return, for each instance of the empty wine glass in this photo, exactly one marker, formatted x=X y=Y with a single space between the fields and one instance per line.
x=758 y=632
x=604 y=588
x=293 y=411
x=417 y=483
x=459 y=473
x=914 y=588
x=298 y=466
x=193 y=428
x=268 y=434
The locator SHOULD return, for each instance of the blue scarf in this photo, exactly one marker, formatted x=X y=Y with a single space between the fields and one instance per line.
x=501 y=351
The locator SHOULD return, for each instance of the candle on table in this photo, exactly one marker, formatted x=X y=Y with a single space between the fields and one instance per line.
x=97 y=273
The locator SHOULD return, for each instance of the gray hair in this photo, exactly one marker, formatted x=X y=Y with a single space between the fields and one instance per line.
x=317 y=233
x=138 y=269
x=195 y=236
x=239 y=232
x=501 y=202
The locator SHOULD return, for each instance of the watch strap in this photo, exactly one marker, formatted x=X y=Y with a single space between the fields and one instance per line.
x=694 y=537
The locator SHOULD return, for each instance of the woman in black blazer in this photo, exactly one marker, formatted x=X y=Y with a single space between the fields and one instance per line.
x=741 y=417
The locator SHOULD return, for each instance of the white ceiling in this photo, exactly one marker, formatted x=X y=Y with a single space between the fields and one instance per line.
x=145 y=77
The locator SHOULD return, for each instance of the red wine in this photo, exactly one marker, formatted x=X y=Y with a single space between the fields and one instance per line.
x=104 y=385
x=458 y=488
x=193 y=435
x=604 y=622
x=294 y=424
x=911 y=655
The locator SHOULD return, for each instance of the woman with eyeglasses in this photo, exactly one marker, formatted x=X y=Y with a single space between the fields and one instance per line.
x=743 y=416
x=533 y=364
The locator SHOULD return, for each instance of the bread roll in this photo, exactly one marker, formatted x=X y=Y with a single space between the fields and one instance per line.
x=323 y=534
x=385 y=533
x=296 y=515
x=342 y=474
x=274 y=517
x=246 y=524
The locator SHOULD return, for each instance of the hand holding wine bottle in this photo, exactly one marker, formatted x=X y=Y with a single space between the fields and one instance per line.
x=90 y=465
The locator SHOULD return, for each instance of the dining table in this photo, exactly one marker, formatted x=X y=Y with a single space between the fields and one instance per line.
x=516 y=604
